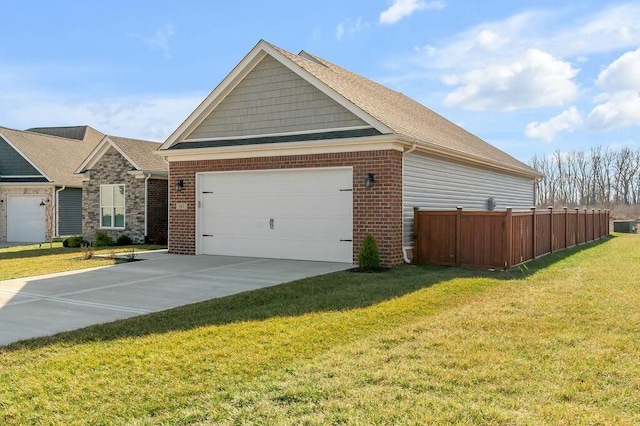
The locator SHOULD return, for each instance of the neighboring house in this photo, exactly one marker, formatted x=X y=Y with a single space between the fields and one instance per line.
x=125 y=190
x=294 y=157
x=40 y=197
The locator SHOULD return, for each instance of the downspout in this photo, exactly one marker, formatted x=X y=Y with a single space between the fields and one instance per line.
x=404 y=249
x=57 y=211
x=146 y=204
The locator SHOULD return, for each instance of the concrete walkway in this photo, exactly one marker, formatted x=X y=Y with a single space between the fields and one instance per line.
x=45 y=305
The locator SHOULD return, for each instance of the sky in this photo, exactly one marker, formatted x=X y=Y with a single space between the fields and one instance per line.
x=529 y=77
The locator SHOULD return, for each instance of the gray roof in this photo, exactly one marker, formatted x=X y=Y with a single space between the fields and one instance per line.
x=70 y=132
x=142 y=153
x=55 y=156
x=401 y=114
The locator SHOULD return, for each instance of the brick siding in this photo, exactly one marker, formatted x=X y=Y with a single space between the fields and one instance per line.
x=158 y=192
x=376 y=210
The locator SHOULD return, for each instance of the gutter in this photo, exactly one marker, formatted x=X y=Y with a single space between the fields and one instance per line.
x=146 y=203
x=405 y=256
x=57 y=211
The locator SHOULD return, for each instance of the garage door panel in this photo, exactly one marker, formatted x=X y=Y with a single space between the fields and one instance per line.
x=25 y=218
x=323 y=203
x=260 y=227
x=274 y=181
x=293 y=214
x=327 y=251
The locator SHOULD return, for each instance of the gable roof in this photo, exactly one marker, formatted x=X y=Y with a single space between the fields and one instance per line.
x=81 y=133
x=139 y=153
x=55 y=157
x=386 y=110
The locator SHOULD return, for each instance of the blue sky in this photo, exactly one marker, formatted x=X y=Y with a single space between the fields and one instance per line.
x=528 y=77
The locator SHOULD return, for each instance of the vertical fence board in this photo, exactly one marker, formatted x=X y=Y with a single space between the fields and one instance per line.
x=501 y=239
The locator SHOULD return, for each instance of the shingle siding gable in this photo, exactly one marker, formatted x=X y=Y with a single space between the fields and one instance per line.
x=272 y=99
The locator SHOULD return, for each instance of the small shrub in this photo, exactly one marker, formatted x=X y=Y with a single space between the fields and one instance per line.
x=369 y=257
x=87 y=251
x=130 y=255
x=74 y=242
x=124 y=240
x=103 y=239
x=112 y=254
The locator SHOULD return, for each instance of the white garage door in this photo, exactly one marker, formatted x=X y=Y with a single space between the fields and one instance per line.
x=25 y=218
x=302 y=214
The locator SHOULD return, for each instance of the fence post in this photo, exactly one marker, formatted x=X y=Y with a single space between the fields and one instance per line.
x=534 y=233
x=593 y=222
x=416 y=234
x=458 y=235
x=566 y=226
x=577 y=231
x=509 y=240
x=599 y=224
x=586 y=227
x=550 y=228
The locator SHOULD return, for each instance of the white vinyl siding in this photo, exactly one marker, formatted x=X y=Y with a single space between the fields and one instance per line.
x=112 y=206
x=272 y=99
x=435 y=184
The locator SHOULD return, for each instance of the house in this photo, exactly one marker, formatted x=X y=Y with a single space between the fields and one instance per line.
x=124 y=190
x=40 y=197
x=293 y=157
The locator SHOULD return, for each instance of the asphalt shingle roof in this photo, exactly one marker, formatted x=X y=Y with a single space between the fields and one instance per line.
x=401 y=114
x=141 y=152
x=85 y=133
x=57 y=157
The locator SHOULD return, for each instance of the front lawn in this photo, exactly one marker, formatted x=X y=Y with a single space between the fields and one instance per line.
x=553 y=343
x=30 y=260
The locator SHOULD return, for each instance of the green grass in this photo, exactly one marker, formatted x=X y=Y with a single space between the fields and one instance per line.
x=555 y=343
x=30 y=260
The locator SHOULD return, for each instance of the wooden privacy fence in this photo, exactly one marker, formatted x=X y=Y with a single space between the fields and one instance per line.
x=497 y=240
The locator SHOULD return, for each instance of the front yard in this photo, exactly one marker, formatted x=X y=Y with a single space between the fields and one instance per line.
x=553 y=343
x=30 y=260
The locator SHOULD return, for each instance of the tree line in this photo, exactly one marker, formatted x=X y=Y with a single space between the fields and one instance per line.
x=601 y=177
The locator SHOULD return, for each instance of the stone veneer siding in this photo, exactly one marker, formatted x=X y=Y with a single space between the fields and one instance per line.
x=47 y=193
x=376 y=210
x=157 y=220
x=112 y=169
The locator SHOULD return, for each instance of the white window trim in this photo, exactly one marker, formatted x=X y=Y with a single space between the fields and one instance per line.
x=113 y=207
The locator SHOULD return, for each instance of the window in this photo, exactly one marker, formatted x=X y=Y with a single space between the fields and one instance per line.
x=112 y=206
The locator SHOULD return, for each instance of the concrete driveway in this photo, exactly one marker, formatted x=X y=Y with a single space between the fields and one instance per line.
x=45 y=305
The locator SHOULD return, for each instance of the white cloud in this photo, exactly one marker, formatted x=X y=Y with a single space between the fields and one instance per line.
x=619 y=104
x=159 y=40
x=536 y=79
x=152 y=116
x=568 y=120
x=490 y=41
x=402 y=8
x=621 y=109
x=348 y=28
x=622 y=74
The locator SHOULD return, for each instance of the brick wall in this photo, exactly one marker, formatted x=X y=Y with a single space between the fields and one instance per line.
x=376 y=210
x=157 y=192
x=112 y=169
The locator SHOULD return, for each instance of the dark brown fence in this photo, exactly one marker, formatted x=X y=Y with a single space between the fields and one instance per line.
x=499 y=240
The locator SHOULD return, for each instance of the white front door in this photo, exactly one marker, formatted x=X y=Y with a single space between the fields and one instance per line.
x=25 y=218
x=304 y=214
